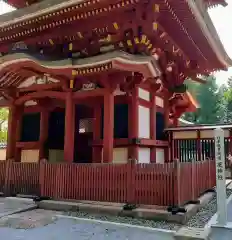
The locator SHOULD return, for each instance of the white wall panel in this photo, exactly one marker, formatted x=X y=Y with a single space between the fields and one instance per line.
x=159 y=101
x=144 y=122
x=144 y=155
x=144 y=94
x=160 y=155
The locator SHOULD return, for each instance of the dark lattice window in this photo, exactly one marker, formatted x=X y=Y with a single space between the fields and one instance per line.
x=30 y=127
x=86 y=125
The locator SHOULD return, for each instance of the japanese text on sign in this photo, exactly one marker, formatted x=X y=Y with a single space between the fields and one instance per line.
x=219 y=159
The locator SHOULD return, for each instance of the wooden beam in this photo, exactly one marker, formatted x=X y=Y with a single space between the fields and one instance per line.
x=35 y=95
x=92 y=93
x=40 y=87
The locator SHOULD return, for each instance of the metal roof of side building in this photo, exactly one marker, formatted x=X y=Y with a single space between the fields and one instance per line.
x=200 y=127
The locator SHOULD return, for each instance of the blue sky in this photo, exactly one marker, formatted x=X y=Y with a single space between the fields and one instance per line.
x=222 y=19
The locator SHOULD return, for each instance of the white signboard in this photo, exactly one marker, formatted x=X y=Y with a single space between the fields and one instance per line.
x=88 y=86
x=19 y=46
x=220 y=174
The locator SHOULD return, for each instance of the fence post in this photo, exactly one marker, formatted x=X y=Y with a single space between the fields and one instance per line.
x=209 y=172
x=193 y=172
x=42 y=165
x=177 y=185
x=7 y=184
x=60 y=178
x=131 y=168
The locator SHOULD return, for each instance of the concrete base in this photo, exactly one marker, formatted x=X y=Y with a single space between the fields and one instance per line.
x=221 y=232
x=187 y=233
x=116 y=209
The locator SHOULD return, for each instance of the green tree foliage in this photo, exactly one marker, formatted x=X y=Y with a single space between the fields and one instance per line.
x=3 y=120
x=227 y=94
x=209 y=99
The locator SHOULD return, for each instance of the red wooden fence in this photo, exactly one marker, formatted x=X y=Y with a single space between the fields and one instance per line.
x=2 y=174
x=155 y=184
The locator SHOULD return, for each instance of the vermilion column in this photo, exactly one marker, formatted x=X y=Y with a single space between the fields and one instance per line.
x=166 y=111
x=175 y=121
x=166 y=122
x=69 y=128
x=97 y=133
x=11 y=136
x=108 y=131
x=44 y=115
x=133 y=123
x=153 y=126
x=18 y=129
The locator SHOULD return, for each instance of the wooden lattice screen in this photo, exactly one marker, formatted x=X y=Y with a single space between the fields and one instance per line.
x=86 y=125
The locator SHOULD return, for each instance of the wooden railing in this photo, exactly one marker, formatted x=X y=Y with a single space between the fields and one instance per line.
x=154 y=184
x=190 y=150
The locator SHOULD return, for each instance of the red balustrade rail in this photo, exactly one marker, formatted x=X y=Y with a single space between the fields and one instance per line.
x=153 y=184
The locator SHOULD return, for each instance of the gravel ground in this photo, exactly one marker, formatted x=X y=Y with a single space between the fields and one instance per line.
x=128 y=220
x=205 y=213
x=198 y=221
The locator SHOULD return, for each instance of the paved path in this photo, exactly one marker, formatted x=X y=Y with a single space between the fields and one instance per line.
x=40 y=224
x=8 y=206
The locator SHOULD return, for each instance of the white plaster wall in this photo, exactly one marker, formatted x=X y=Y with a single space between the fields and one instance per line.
x=3 y=154
x=144 y=155
x=31 y=155
x=144 y=122
x=120 y=155
x=160 y=155
x=144 y=94
x=56 y=155
x=159 y=101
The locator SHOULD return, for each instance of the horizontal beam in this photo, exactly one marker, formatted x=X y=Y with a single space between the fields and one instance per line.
x=92 y=93
x=37 y=95
x=40 y=87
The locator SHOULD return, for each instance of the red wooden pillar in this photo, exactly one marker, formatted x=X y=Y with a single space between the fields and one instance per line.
x=19 y=116
x=97 y=134
x=133 y=123
x=166 y=111
x=44 y=115
x=108 y=131
x=69 y=128
x=153 y=126
x=175 y=121
x=11 y=136
x=166 y=122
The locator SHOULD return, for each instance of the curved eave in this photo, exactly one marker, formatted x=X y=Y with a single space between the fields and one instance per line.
x=37 y=9
x=210 y=33
x=20 y=3
x=193 y=104
x=117 y=60
x=190 y=104
x=15 y=3
x=211 y=3
x=183 y=122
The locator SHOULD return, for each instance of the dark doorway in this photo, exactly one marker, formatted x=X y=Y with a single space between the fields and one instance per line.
x=30 y=127
x=83 y=134
x=56 y=129
x=160 y=126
